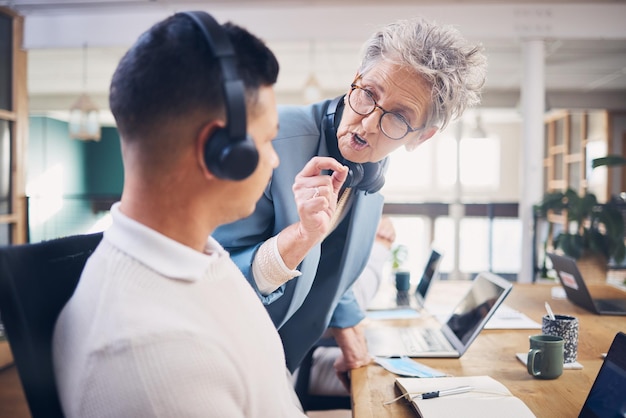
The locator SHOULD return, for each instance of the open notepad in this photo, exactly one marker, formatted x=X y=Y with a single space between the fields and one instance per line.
x=488 y=398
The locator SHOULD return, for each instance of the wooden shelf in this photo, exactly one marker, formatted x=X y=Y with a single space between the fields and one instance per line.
x=568 y=136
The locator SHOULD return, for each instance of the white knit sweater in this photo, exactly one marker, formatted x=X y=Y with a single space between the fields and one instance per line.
x=156 y=329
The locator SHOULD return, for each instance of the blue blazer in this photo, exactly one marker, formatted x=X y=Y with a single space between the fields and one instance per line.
x=305 y=306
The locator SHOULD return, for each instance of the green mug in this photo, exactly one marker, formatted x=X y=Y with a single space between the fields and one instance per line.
x=545 y=358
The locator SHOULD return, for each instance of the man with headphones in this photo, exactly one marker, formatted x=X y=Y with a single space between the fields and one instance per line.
x=307 y=242
x=162 y=322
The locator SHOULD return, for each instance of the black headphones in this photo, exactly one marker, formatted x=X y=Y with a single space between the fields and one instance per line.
x=229 y=153
x=369 y=177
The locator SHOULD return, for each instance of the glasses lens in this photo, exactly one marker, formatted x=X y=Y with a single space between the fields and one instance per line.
x=361 y=102
x=394 y=126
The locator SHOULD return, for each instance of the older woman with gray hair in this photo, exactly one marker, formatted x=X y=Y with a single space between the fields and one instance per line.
x=311 y=233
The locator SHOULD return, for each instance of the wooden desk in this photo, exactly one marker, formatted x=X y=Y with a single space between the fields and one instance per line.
x=493 y=354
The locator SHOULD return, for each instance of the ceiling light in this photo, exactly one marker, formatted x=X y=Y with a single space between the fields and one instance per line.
x=312 y=89
x=84 y=120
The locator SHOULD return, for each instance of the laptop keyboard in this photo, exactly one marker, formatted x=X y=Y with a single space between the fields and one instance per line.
x=419 y=340
x=610 y=305
x=403 y=299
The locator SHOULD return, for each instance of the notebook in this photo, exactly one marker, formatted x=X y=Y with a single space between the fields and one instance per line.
x=606 y=397
x=416 y=299
x=453 y=337
x=577 y=292
x=485 y=397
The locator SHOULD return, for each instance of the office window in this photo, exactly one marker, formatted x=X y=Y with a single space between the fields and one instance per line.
x=485 y=245
x=480 y=163
x=446 y=161
x=412 y=231
x=506 y=245
x=474 y=245
x=429 y=173
x=444 y=241
x=410 y=170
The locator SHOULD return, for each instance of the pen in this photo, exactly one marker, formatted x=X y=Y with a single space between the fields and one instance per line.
x=444 y=392
x=550 y=314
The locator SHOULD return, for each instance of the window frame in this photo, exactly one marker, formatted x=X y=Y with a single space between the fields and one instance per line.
x=17 y=118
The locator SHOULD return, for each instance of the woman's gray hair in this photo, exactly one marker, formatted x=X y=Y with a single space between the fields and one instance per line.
x=455 y=68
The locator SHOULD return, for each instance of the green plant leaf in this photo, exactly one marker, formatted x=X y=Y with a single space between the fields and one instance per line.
x=609 y=160
x=552 y=201
x=600 y=228
x=399 y=254
x=572 y=245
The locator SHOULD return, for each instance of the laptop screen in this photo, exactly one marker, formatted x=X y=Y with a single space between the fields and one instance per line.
x=429 y=273
x=606 y=397
x=474 y=307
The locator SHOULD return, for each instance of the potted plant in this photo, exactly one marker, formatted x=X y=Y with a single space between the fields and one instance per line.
x=399 y=254
x=610 y=160
x=593 y=232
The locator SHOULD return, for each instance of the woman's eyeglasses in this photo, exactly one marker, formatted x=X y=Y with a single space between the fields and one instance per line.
x=392 y=124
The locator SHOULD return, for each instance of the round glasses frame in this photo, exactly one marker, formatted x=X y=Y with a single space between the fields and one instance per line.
x=397 y=119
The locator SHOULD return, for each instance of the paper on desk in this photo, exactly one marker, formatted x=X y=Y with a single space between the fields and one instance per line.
x=506 y=317
x=617 y=282
x=523 y=357
x=557 y=292
x=393 y=314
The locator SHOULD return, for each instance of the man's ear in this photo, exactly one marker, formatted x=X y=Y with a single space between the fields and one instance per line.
x=421 y=138
x=203 y=136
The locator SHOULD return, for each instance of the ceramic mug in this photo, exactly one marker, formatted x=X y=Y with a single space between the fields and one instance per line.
x=545 y=358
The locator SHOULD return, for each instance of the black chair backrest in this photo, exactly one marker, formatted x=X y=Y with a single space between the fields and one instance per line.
x=36 y=281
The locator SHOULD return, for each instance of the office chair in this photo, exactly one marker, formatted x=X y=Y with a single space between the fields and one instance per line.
x=312 y=402
x=36 y=280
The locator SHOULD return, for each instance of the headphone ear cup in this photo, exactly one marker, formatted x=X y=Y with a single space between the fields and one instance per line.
x=230 y=160
x=369 y=177
x=355 y=174
x=373 y=177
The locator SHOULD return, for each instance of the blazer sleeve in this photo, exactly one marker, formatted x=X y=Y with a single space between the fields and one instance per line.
x=348 y=313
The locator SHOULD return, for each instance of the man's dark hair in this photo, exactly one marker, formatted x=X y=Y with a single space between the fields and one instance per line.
x=171 y=71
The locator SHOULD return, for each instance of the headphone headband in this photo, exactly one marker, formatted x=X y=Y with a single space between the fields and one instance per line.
x=232 y=86
x=229 y=153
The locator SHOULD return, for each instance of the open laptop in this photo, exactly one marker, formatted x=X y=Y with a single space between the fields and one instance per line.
x=416 y=299
x=607 y=399
x=577 y=291
x=450 y=339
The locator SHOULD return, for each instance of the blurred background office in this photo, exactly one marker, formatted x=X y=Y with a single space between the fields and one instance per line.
x=555 y=99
